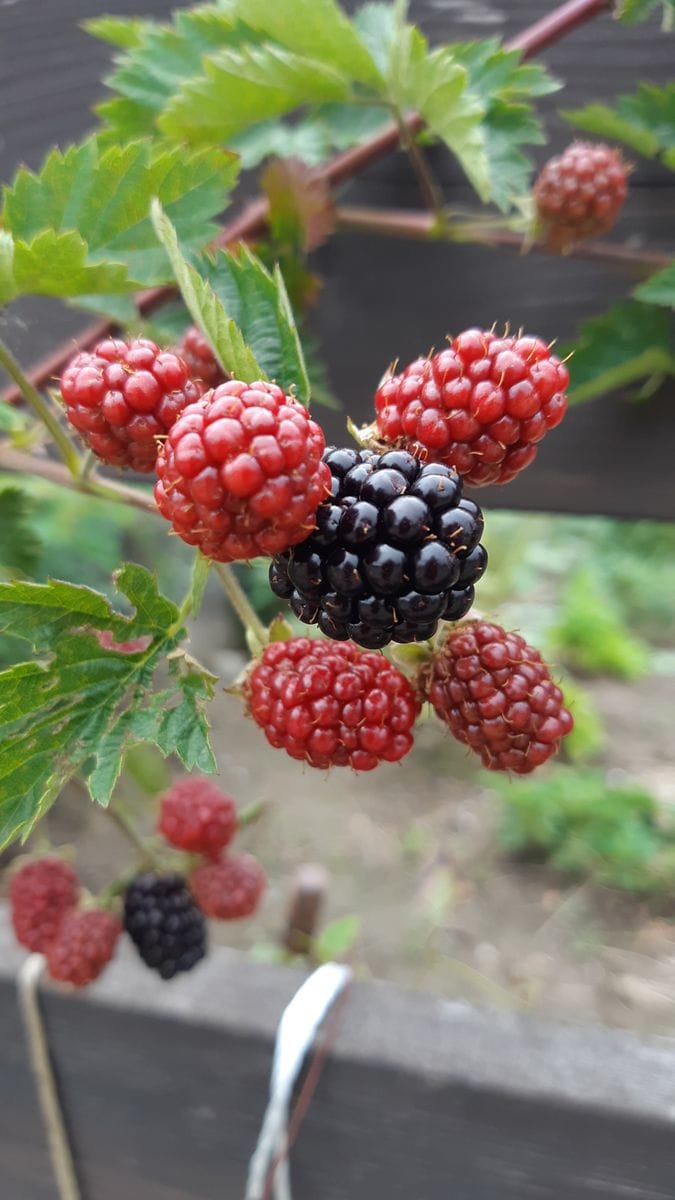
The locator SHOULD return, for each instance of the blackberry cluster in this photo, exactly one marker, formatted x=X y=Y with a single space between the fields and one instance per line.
x=395 y=549
x=164 y=923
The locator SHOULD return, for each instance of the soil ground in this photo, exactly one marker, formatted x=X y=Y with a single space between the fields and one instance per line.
x=413 y=849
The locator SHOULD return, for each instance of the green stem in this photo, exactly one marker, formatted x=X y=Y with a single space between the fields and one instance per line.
x=427 y=182
x=41 y=409
x=124 y=823
x=240 y=602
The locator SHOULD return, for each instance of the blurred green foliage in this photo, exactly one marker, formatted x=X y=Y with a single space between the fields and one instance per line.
x=590 y=634
x=588 y=737
x=580 y=823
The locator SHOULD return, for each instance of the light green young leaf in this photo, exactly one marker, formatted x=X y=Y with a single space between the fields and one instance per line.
x=56 y=264
x=632 y=12
x=200 y=574
x=8 y=287
x=205 y=308
x=337 y=939
x=123 y=32
x=20 y=547
x=257 y=303
x=327 y=128
x=81 y=704
x=630 y=342
x=317 y=29
x=240 y=87
x=644 y=120
x=659 y=288
x=104 y=195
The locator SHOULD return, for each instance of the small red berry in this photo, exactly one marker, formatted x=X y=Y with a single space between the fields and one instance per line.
x=480 y=406
x=122 y=396
x=229 y=888
x=83 y=946
x=197 y=352
x=331 y=704
x=240 y=474
x=40 y=893
x=496 y=695
x=579 y=193
x=196 y=816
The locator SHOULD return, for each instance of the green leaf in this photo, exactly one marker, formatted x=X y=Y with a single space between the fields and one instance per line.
x=205 y=307
x=631 y=12
x=631 y=341
x=91 y=207
x=644 y=120
x=200 y=574
x=591 y=635
x=659 y=288
x=81 y=704
x=435 y=84
x=317 y=29
x=8 y=286
x=301 y=211
x=257 y=303
x=337 y=938
x=20 y=548
x=239 y=87
x=124 y=32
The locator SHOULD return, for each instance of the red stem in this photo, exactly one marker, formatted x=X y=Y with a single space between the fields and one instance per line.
x=422 y=226
x=252 y=220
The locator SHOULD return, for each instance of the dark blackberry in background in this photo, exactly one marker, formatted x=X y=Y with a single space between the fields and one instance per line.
x=164 y=923
x=396 y=549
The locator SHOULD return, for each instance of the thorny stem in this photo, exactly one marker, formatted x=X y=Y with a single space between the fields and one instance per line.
x=41 y=409
x=251 y=222
x=407 y=223
x=240 y=602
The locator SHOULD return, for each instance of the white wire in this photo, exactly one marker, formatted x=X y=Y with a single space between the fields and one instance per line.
x=299 y=1024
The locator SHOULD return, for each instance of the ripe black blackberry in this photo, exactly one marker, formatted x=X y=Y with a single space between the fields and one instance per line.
x=395 y=549
x=164 y=923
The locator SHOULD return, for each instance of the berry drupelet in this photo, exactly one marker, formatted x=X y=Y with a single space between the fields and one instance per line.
x=579 y=193
x=496 y=695
x=122 y=396
x=164 y=923
x=84 y=945
x=395 y=549
x=240 y=474
x=196 y=351
x=230 y=888
x=40 y=894
x=196 y=816
x=481 y=405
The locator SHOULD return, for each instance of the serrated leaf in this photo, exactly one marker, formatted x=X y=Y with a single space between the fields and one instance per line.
x=91 y=208
x=257 y=303
x=20 y=547
x=435 y=84
x=81 y=705
x=630 y=342
x=239 y=87
x=644 y=120
x=123 y=32
x=317 y=29
x=205 y=307
x=632 y=12
x=659 y=288
x=8 y=286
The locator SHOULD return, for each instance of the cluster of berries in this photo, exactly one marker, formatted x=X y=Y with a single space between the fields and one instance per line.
x=164 y=912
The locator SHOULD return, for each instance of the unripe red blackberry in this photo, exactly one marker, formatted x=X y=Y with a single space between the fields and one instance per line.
x=240 y=474
x=496 y=695
x=481 y=405
x=331 y=704
x=122 y=396
x=197 y=817
x=203 y=365
x=40 y=894
x=230 y=888
x=164 y=923
x=579 y=193
x=396 y=548
x=83 y=946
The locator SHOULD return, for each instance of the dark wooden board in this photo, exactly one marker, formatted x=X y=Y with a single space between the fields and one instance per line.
x=384 y=298
x=164 y=1087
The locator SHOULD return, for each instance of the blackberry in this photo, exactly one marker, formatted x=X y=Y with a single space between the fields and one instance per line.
x=164 y=923
x=395 y=549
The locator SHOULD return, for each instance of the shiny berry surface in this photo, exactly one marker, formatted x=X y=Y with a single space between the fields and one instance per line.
x=579 y=193
x=496 y=695
x=395 y=547
x=480 y=407
x=332 y=704
x=240 y=474
x=123 y=397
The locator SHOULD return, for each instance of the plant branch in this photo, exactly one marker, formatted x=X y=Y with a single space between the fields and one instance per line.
x=408 y=223
x=428 y=185
x=23 y=463
x=240 y=602
x=41 y=409
x=124 y=823
x=252 y=220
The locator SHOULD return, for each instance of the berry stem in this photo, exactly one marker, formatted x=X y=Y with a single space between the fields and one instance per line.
x=241 y=603
x=55 y=472
x=41 y=409
x=120 y=816
x=410 y=223
x=428 y=184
